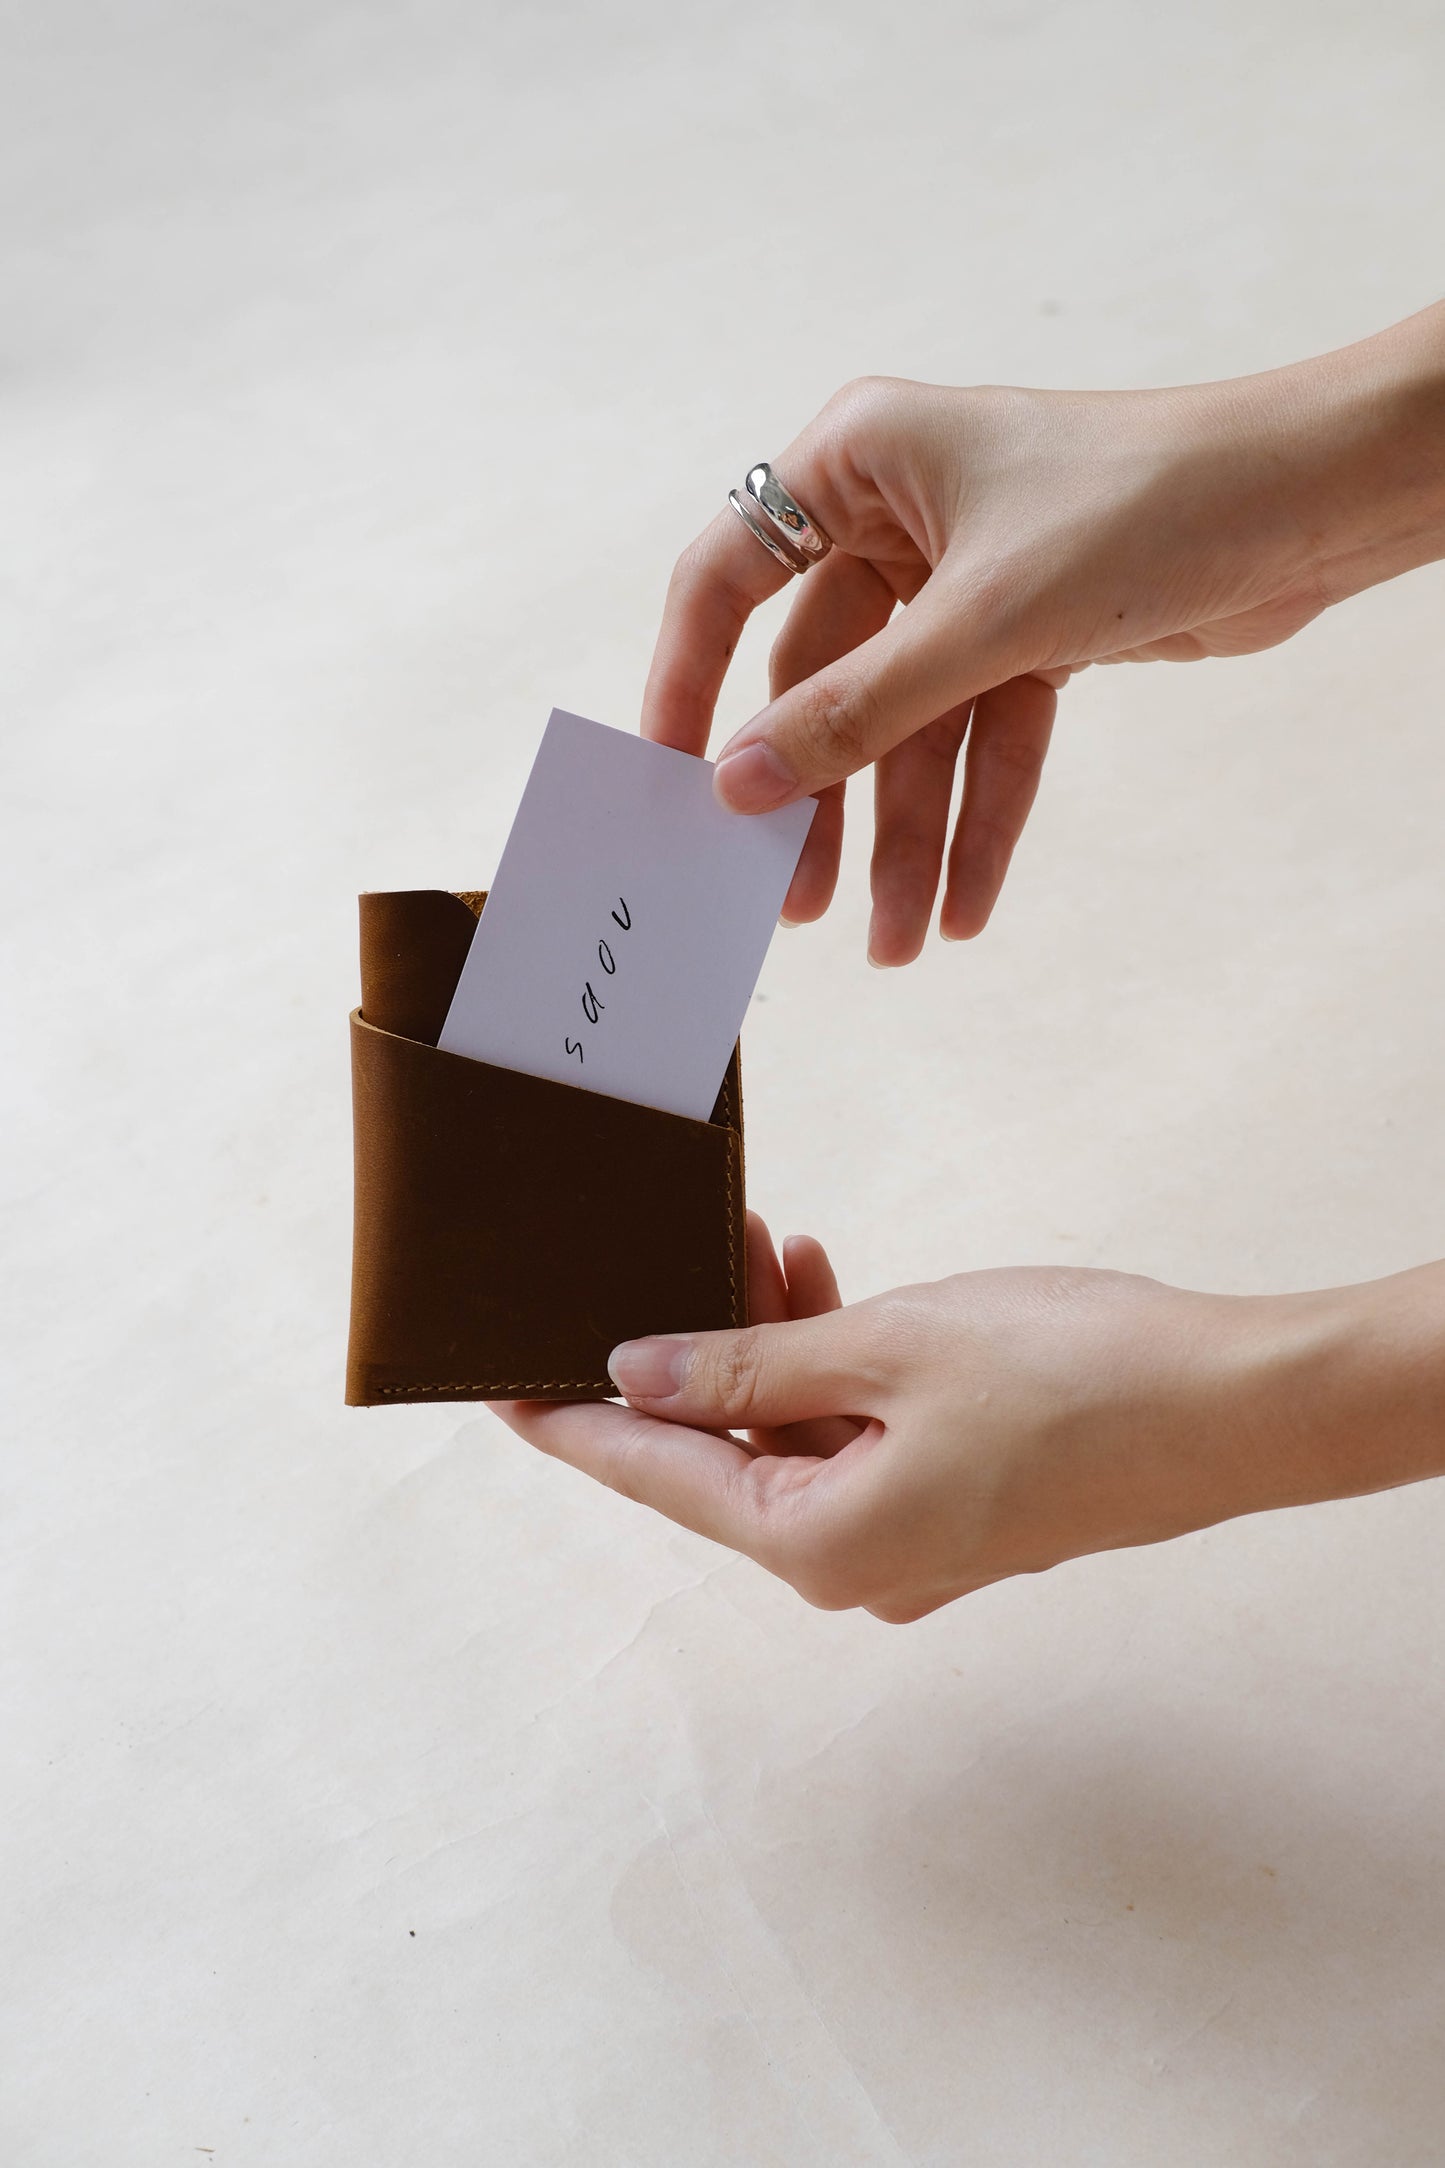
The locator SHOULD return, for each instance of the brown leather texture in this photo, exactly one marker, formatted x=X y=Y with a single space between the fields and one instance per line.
x=509 y=1231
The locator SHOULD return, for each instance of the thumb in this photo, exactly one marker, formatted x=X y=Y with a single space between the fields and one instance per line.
x=836 y=1364
x=922 y=664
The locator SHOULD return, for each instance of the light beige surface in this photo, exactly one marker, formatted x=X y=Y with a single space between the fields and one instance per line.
x=376 y=1792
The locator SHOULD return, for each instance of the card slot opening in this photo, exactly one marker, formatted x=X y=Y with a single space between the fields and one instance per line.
x=723 y=1116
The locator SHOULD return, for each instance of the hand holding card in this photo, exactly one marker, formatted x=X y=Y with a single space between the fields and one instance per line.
x=627 y=925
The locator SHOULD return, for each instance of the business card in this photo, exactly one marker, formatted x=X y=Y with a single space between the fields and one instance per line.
x=628 y=922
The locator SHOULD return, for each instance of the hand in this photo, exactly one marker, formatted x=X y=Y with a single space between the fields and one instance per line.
x=1031 y=533
x=912 y=1448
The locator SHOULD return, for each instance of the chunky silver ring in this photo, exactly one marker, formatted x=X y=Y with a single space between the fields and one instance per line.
x=785 y=511
x=784 y=529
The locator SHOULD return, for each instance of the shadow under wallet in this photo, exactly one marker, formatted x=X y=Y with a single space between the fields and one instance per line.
x=510 y=1231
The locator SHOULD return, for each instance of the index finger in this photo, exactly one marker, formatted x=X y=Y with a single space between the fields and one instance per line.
x=778 y=1511
x=716 y=584
x=696 y=1477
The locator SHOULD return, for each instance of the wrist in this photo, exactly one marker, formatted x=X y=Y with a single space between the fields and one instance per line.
x=1341 y=1392
x=1359 y=436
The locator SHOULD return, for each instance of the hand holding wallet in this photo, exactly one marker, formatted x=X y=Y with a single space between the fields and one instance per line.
x=512 y=1228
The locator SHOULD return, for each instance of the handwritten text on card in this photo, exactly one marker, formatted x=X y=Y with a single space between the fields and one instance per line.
x=591 y=1006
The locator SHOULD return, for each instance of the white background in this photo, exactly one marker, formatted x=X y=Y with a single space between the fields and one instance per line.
x=374 y=1790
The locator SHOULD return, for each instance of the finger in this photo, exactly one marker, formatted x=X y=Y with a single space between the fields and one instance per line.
x=838 y=1364
x=722 y=577
x=1007 y=741
x=816 y=874
x=717 y=583
x=767 y=1288
x=912 y=789
x=809 y=1289
x=804 y=1520
x=812 y=1282
x=925 y=662
x=841 y=602
x=812 y=1291
x=698 y=1480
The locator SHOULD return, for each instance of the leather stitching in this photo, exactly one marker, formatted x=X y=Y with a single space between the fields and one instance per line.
x=732 y=1230
x=496 y=1385
x=730 y=1117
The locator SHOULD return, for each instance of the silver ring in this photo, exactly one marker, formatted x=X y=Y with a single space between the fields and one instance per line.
x=785 y=511
x=785 y=529
x=771 y=543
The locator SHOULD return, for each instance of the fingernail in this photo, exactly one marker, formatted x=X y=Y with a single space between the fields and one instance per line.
x=753 y=779
x=649 y=1369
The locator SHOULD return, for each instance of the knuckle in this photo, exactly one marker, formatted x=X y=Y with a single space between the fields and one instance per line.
x=837 y=723
x=859 y=399
x=991 y=837
x=728 y=1374
x=701 y=573
x=898 y=1326
x=998 y=591
x=827 y=1595
x=692 y=567
x=908 y=1610
x=750 y=1506
x=903 y=859
x=827 y=1570
x=1017 y=754
x=939 y=741
x=624 y=1469
x=895 y=1614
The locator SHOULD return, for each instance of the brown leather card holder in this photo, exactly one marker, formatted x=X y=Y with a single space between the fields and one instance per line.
x=509 y=1231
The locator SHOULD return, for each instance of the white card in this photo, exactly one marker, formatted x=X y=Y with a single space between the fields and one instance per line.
x=628 y=922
